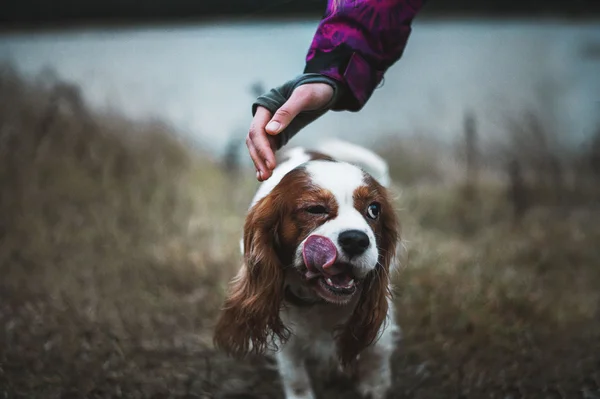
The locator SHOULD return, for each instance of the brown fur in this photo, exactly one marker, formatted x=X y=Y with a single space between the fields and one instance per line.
x=250 y=317
x=249 y=321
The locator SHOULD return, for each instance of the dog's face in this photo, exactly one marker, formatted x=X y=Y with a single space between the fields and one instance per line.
x=335 y=228
x=334 y=225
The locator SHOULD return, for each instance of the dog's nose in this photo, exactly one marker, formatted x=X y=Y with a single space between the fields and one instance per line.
x=353 y=242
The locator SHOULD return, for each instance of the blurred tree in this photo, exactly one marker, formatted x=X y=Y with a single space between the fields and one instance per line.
x=469 y=196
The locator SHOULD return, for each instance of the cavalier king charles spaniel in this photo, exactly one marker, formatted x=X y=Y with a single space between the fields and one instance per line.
x=319 y=243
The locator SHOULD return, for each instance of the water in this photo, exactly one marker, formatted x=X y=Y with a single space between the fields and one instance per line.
x=198 y=77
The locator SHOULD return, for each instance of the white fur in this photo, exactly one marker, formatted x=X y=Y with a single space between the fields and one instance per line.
x=312 y=330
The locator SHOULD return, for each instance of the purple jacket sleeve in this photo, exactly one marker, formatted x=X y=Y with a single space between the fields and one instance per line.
x=357 y=41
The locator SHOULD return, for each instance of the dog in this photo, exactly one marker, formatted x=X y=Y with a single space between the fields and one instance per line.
x=319 y=244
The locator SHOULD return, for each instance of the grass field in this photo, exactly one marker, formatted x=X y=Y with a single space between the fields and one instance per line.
x=117 y=241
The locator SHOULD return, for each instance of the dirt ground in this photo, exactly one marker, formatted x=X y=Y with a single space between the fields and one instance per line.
x=116 y=248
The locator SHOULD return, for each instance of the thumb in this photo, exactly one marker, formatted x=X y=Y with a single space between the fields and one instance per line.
x=288 y=111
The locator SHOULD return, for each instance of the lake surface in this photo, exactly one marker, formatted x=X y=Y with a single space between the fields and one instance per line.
x=198 y=77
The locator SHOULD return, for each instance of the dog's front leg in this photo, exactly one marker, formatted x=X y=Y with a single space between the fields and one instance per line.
x=294 y=376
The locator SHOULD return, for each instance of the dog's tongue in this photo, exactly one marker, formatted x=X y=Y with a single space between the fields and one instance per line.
x=319 y=253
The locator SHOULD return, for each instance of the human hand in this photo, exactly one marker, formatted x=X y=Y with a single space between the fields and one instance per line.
x=262 y=137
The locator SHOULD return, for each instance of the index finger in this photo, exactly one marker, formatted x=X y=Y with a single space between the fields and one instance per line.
x=259 y=137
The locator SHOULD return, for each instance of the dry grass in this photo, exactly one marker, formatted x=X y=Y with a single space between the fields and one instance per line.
x=115 y=246
x=117 y=241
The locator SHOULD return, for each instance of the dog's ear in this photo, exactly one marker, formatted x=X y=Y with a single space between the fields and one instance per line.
x=249 y=321
x=369 y=316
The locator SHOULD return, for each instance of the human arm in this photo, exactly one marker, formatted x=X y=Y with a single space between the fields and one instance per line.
x=357 y=42
x=354 y=45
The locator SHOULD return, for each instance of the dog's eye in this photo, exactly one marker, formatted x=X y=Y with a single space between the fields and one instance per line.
x=373 y=210
x=316 y=209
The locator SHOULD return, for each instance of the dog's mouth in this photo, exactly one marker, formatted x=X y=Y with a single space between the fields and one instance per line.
x=342 y=283
x=332 y=280
x=337 y=289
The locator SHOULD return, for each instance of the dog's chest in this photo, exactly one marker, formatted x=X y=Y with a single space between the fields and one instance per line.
x=313 y=329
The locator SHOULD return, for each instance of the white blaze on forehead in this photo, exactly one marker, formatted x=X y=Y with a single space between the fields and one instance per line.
x=341 y=179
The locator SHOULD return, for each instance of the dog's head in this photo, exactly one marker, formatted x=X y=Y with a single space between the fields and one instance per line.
x=336 y=226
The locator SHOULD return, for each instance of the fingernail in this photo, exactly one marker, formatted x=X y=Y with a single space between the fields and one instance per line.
x=268 y=164
x=273 y=126
x=258 y=174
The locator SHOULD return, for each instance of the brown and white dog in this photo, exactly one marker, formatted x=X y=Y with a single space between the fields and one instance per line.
x=319 y=243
